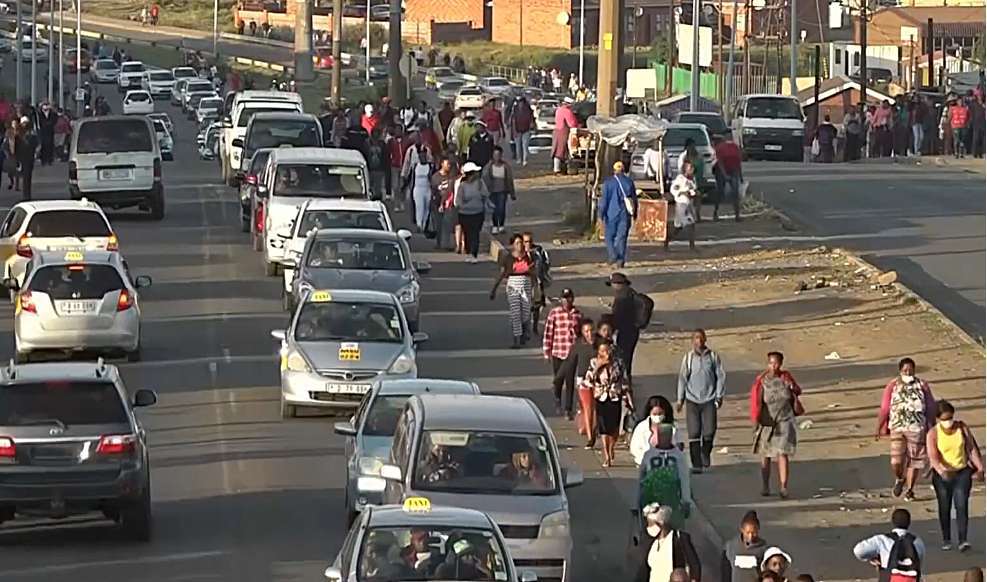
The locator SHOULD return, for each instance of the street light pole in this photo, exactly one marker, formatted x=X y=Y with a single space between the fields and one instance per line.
x=51 y=51
x=19 y=39
x=61 y=56
x=694 y=93
x=78 y=51
x=582 y=40
x=728 y=91
x=215 y=28
x=34 y=52
x=366 y=65
x=793 y=63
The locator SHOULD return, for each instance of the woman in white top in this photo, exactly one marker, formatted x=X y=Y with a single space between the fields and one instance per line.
x=662 y=549
x=685 y=194
x=645 y=435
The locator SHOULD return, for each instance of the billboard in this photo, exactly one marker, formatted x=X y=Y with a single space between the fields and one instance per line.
x=683 y=37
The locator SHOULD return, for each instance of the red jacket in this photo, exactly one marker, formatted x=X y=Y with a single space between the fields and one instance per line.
x=368 y=122
x=757 y=399
x=493 y=119
x=958 y=116
x=728 y=157
x=394 y=152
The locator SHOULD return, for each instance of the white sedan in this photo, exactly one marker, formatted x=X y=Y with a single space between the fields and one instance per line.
x=29 y=48
x=138 y=103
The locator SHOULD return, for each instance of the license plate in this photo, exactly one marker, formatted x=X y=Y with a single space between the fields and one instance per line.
x=76 y=307
x=348 y=388
x=114 y=174
x=772 y=148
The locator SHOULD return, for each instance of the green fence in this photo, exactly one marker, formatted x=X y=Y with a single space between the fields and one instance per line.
x=682 y=81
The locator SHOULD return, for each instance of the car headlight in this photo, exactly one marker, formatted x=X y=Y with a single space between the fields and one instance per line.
x=555 y=525
x=749 y=131
x=408 y=293
x=371 y=485
x=797 y=133
x=369 y=466
x=294 y=362
x=402 y=365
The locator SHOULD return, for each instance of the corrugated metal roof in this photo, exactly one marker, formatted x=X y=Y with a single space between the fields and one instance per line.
x=666 y=108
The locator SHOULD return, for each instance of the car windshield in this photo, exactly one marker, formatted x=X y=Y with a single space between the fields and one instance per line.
x=185 y=72
x=248 y=112
x=133 y=68
x=714 y=123
x=498 y=82
x=139 y=97
x=67 y=223
x=356 y=254
x=85 y=281
x=211 y=103
x=161 y=76
x=377 y=61
x=105 y=65
x=402 y=554
x=270 y=133
x=772 y=108
x=348 y=322
x=484 y=463
x=107 y=136
x=258 y=162
x=71 y=402
x=675 y=137
x=194 y=98
x=319 y=181
x=362 y=219
x=198 y=86
x=442 y=72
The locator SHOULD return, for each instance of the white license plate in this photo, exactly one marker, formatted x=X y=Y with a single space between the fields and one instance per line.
x=348 y=388
x=772 y=148
x=76 y=307
x=114 y=174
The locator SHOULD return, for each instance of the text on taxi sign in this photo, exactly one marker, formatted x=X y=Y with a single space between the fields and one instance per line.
x=417 y=504
x=74 y=256
x=321 y=297
x=349 y=352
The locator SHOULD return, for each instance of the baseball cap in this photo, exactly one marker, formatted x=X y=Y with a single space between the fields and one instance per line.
x=618 y=278
x=568 y=293
x=470 y=167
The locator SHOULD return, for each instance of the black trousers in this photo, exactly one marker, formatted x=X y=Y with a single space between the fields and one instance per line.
x=627 y=342
x=563 y=375
x=27 y=175
x=700 y=423
x=472 y=225
x=47 y=148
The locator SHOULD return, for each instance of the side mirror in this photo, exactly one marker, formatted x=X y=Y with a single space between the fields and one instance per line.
x=419 y=337
x=238 y=143
x=278 y=334
x=144 y=397
x=345 y=428
x=572 y=478
x=390 y=473
x=262 y=191
x=422 y=267
x=405 y=234
x=529 y=576
x=333 y=574
x=142 y=281
x=11 y=284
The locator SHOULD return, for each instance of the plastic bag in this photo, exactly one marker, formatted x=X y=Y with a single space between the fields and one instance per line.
x=742 y=190
x=815 y=147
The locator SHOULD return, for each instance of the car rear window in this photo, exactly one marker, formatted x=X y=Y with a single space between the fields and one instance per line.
x=89 y=281
x=101 y=64
x=185 y=73
x=161 y=76
x=276 y=133
x=470 y=91
x=198 y=86
x=109 y=136
x=72 y=402
x=248 y=112
x=714 y=123
x=258 y=161
x=134 y=68
x=211 y=103
x=677 y=136
x=139 y=97
x=72 y=223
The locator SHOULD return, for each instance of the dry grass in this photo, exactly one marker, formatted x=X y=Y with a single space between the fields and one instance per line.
x=191 y=14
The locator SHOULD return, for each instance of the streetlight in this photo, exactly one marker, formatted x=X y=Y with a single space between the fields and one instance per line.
x=79 y=92
x=61 y=56
x=51 y=51
x=582 y=40
x=367 y=55
x=34 y=52
x=20 y=49
x=215 y=28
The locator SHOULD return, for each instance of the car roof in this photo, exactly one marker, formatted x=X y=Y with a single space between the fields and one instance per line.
x=396 y=516
x=183 y=67
x=685 y=126
x=359 y=233
x=345 y=204
x=412 y=386
x=14 y=373
x=357 y=296
x=50 y=205
x=287 y=114
x=88 y=257
x=479 y=412
x=131 y=63
x=319 y=155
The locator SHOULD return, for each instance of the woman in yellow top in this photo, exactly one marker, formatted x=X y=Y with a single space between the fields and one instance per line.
x=955 y=459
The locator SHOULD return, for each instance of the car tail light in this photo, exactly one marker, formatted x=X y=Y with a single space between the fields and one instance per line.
x=73 y=173
x=7 y=448
x=125 y=301
x=259 y=218
x=23 y=248
x=157 y=170
x=117 y=444
x=26 y=302
x=111 y=244
x=250 y=179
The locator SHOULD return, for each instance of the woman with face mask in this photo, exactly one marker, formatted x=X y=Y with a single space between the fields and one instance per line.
x=743 y=554
x=956 y=460
x=645 y=435
x=663 y=549
x=908 y=410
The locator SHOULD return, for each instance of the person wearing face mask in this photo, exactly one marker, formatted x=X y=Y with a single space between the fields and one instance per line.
x=663 y=549
x=956 y=460
x=46 y=132
x=908 y=410
x=743 y=554
x=645 y=435
x=369 y=119
x=664 y=477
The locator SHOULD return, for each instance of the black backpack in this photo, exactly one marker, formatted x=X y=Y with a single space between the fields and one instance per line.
x=903 y=558
x=644 y=306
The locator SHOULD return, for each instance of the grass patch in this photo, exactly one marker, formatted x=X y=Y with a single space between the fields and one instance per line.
x=191 y=14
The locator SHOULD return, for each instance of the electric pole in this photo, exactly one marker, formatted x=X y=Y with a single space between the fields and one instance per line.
x=694 y=91
x=19 y=39
x=794 y=40
x=304 y=67
x=730 y=71
x=863 y=56
x=395 y=80
x=608 y=69
x=930 y=47
x=337 y=51
x=670 y=61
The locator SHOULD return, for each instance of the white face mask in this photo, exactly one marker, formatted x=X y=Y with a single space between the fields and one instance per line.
x=654 y=530
x=657 y=418
x=907 y=379
x=946 y=423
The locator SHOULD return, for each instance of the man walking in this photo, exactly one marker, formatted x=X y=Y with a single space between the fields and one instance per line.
x=888 y=551
x=625 y=318
x=618 y=208
x=521 y=122
x=561 y=330
x=701 y=386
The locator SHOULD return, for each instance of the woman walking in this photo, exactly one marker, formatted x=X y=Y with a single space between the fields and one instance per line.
x=645 y=435
x=10 y=156
x=470 y=201
x=499 y=179
x=516 y=268
x=575 y=365
x=444 y=213
x=743 y=554
x=774 y=406
x=908 y=411
x=608 y=380
x=956 y=460
x=664 y=549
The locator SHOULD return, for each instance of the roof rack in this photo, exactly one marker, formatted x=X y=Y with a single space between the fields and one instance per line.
x=100 y=368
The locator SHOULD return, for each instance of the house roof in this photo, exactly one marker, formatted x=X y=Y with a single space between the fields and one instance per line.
x=940 y=15
x=835 y=86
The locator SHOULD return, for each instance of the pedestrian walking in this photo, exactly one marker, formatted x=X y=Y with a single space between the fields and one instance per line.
x=395 y=159
x=899 y=550
x=575 y=365
x=852 y=131
x=481 y=145
x=377 y=164
x=684 y=193
x=444 y=215
x=562 y=327
x=46 y=131
x=956 y=461
x=959 y=117
x=27 y=147
x=565 y=120
x=729 y=168
x=977 y=125
x=663 y=476
x=908 y=410
x=664 y=549
x=743 y=554
x=701 y=387
x=774 y=406
x=470 y=200
x=416 y=173
x=543 y=277
x=499 y=179
x=522 y=122
x=825 y=136
x=493 y=120
x=629 y=314
x=916 y=119
x=465 y=135
x=518 y=271
x=618 y=209
x=777 y=561
x=608 y=379
x=10 y=163
x=645 y=434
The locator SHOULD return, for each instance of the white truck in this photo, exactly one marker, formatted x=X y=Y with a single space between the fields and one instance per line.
x=245 y=105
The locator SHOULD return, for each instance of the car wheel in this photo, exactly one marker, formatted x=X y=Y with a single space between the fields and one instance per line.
x=136 y=518
x=22 y=357
x=287 y=410
x=270 y=269
x=230 y=178
x=258 y=242
x=157 y=207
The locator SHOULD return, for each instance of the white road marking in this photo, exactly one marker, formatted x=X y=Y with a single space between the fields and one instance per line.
x=54 y=569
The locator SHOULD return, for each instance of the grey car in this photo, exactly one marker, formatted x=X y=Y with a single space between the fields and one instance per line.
x=370 y=432
x=360 y=259
x=72 y=445
x=338 y=343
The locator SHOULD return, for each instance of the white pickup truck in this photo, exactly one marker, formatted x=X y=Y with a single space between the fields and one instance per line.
x=245 y=105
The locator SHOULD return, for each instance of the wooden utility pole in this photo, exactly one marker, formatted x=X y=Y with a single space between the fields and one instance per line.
x=746 y=83
x=930 y=47
x=608 y=69
x=304 y=67
x=670 y=61
x=337 y=52
x=395 y=80
x=719 y=54
x=863 y=56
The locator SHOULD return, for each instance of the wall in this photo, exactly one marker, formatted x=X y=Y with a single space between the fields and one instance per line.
x=420 y=13
x=281 y=19
x=848 y=57
x=532 y=23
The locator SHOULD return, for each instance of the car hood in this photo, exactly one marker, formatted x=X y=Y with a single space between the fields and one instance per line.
x=386 y=281
x=373 y=355
x=504 y=509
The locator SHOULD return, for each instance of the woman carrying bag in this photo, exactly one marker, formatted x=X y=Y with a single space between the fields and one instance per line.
x=774 y=406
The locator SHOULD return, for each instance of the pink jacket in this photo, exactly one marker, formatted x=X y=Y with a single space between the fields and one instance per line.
x=969 y=443
x=885 y=414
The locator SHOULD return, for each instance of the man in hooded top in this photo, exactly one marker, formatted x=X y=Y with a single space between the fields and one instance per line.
x=369 y=120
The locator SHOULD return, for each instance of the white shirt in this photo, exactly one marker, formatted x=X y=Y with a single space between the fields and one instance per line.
x=683 y=191
x=652 y=163
x=879 y=547
x=641 y=440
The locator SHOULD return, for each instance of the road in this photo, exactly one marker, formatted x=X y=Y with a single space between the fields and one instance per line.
x=925 y=223
x=238 y=494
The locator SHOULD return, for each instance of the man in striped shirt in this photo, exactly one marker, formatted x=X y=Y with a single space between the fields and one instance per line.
x=561 y=330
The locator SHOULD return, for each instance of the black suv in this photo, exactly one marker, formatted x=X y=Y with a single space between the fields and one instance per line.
x=70 y=444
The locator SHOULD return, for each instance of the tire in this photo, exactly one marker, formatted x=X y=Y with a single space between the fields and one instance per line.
x=136 y=519
x=157 y=207
x=270 y=269
x=287 y=410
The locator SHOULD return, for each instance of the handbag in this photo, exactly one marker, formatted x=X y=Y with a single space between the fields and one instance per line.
x=628 y=203
x=429 y=230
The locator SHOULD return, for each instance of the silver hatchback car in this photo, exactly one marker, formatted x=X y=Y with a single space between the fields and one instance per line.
x=338 y=343
x=77 y=302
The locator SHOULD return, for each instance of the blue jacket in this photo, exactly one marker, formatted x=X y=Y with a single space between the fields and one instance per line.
x=615 y=189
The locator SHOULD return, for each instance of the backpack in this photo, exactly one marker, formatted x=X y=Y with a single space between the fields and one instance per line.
x=546 y=266
x=662 y=485
x=644 y=306
x=904 y=563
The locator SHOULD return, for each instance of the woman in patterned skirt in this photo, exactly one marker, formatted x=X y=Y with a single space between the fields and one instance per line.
x=517 y=268
x=774 y=406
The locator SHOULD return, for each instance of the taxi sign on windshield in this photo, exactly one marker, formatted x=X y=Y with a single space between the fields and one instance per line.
x=349 y=352
x=321 y=297
x=417 y=505
x=73 y=256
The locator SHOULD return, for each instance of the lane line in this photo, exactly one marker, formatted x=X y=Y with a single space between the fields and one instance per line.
x=167 y=558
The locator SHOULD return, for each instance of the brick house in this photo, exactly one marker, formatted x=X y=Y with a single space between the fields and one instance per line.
x=956 y=25
x=435 y=21
x=534 y=23
x=836 y=95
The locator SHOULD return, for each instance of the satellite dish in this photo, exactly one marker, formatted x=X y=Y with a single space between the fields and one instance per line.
x=562 y=18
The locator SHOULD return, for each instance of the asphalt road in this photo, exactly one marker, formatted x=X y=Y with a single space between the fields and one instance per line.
x=238 y=494
x=927 y=224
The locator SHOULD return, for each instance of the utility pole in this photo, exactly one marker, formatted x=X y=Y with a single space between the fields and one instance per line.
x=911 y=64
x=863 y=56
x=730 y=72
x=395 y=81
x=930 y=47
x=61 y=56
x=19 y=39
x=51 y=51
x=337 y=51
x=794 y=40
x=366 y=54
x=608 y=68
x=304 y=67
x=215 y=28
x=34 y=52
x=747 y=47
x=719 y=53
x=670 y=64
x=582 y=41
x=816 y=82
x=694 y=91
x=79 y=103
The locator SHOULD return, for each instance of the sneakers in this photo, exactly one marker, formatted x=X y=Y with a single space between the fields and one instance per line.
x=963 y=547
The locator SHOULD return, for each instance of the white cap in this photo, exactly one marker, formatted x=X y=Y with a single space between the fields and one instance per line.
x=772 y=552
x=368 y=109
x=470 y=167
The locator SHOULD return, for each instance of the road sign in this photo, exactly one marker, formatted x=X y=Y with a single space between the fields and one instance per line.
x=80 y=94
x=408 y=66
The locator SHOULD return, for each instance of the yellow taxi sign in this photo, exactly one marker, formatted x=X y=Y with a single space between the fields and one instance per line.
x=74 y=256
x=349 y=352
x=417 y=505
x=321 y=297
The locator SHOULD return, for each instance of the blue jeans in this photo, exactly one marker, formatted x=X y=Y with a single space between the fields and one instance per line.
x=951 y=492
x=523 y=145
x=499 y=200
x=615 y=231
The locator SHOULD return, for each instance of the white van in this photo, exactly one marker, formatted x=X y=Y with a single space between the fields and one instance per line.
x=769 y=126
x=115 y=161
x=245 y=105
x=294 y=175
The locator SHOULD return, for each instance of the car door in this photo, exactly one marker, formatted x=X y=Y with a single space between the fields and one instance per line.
x=737 y=122
x=9 y=234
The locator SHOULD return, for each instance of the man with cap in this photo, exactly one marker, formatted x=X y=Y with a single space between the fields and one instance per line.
x=623 y=318
x=561 y=330
x=481 y=146
x=618 y=208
